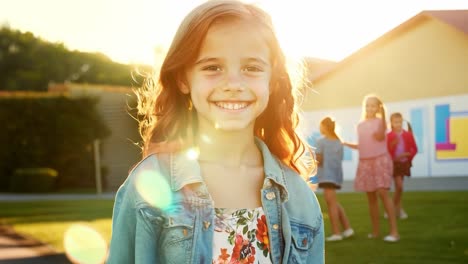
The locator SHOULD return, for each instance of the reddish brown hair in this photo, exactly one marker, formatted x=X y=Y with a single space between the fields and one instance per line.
x=329 y=125
x=167 y=113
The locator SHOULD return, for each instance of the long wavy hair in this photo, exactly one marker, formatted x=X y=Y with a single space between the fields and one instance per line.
x=167 y=118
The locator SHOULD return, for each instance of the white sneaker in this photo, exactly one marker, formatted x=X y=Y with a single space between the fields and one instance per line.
x=334 y=238
x=385 y=215
x=403 y=214
x=391 y=239
x=348 y=233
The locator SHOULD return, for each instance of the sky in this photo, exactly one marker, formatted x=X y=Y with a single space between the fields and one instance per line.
x=130 y=31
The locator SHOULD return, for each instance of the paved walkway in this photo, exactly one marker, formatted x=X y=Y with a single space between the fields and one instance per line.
x=19 y=249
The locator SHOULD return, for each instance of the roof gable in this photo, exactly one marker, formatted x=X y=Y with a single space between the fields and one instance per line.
x=455 y=18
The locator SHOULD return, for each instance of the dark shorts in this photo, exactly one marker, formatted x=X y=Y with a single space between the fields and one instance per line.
x=328 y=185
x=401 y=168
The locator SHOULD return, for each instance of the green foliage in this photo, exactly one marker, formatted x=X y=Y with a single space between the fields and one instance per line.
x=51 y=132
x=33 y=180
x=30 y=63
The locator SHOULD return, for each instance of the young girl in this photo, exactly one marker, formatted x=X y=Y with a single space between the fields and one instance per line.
x=402 y=147
x=221 y=178
x=374 y=172
x=329 y=155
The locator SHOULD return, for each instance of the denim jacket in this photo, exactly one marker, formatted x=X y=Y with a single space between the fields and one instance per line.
x=153 y=224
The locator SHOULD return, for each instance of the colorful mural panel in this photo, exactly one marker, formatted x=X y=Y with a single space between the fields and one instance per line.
x=451 y=129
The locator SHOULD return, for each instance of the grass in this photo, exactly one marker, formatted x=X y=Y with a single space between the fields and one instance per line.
x=435 y=232
x=48 y=220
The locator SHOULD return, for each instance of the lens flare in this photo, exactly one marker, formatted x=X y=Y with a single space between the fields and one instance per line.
x=84 y=245
x=154 y=189
x=192 y=154
x=206 y=139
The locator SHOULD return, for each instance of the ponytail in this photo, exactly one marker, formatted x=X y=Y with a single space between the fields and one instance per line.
x=410 y=128
x=329 y=125
x=399 y=115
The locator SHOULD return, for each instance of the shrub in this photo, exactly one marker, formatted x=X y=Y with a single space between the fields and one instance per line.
x=50 y=132
x=33 y=180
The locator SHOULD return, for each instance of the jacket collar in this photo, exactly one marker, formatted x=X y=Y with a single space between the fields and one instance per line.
x=185 y=169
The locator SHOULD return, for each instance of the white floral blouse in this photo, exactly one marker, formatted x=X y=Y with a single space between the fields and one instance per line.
x=241 y=236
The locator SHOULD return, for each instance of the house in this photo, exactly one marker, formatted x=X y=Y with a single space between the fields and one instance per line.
x=119 y=152
x=420 y=68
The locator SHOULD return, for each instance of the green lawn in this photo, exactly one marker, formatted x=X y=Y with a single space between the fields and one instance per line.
x=435 y=232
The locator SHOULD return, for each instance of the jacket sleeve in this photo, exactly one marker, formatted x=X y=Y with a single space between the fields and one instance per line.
x=133 y=240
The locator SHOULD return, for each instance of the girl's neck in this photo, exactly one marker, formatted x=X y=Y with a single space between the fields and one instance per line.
x=330 y=136
x=230 y=149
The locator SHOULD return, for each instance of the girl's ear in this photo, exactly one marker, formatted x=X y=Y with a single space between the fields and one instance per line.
x=183 y=87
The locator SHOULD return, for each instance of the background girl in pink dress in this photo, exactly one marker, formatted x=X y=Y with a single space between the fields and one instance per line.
x=375 y=167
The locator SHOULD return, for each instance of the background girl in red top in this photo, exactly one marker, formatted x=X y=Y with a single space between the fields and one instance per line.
x=402 y=147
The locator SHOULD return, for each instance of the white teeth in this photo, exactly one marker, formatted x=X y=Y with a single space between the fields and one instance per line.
x=231 y=106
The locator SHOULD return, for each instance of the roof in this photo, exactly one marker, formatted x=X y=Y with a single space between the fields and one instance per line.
x=455 y=18
x=317 y=66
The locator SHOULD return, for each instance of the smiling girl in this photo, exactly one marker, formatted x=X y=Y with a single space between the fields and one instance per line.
x=223 y=96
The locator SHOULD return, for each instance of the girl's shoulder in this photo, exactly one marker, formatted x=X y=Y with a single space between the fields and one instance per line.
x=407 y=134
x=153 y=162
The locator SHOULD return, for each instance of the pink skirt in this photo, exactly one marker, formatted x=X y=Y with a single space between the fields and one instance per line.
x=374 y=173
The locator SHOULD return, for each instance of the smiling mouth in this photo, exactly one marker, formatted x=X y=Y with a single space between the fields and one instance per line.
x=232 y=105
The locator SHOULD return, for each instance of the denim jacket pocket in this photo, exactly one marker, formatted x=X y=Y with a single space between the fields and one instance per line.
x=302 y=240
x=176 y=230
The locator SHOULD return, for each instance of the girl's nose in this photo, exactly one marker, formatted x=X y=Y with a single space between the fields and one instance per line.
x=234 y=82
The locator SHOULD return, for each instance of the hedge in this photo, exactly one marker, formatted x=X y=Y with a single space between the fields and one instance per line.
x=33 y=180
x=50 y=132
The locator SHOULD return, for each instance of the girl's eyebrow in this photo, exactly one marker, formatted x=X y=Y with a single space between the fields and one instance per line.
x=258 y=60
x=206 y=60
x=214 y=59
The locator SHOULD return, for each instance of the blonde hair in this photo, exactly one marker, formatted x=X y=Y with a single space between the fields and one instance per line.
x=381 y=113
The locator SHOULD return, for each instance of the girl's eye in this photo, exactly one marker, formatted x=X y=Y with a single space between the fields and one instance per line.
x=253 y=69
x=212 y=68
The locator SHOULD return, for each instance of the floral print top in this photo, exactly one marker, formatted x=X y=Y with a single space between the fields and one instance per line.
x=240 y=236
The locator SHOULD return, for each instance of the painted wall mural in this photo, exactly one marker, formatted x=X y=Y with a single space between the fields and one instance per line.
x=451 y=131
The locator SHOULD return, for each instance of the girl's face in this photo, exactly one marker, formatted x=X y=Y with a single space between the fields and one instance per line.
x=397 y=124
x=229 y=82
x=372 y=107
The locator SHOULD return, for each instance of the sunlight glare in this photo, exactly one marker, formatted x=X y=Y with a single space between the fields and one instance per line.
x=154 y=189
x=84 y=245
x=193 y=153
x=206 y=139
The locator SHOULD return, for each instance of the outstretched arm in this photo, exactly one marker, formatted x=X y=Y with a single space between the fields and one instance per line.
x=350 y=145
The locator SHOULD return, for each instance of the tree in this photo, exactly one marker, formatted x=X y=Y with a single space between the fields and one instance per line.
x=30 y=63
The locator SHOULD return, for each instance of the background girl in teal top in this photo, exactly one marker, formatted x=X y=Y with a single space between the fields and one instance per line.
x=330 y=173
